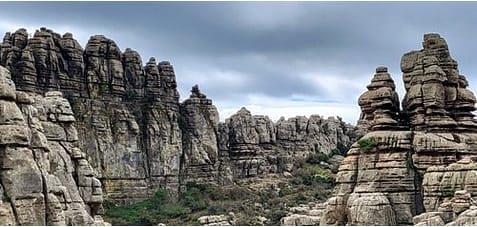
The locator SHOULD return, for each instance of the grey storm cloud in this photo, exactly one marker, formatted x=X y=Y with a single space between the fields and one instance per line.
x=236 y=49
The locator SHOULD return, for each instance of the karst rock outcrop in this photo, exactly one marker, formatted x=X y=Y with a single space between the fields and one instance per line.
x=45 y=177
x=89 y=124
x=413 y=164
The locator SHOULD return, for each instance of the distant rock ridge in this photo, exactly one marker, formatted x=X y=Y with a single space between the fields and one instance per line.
x=411 y=160
x=136 y=135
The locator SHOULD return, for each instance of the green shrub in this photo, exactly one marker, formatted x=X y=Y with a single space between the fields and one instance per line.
x=448 y=192
x=174 y=210
x=341 y=149
x=300 y=198
x=194 y=200
x=203 y=199
x=317 y=158
x=130 y=95
x=313 y=174
x=275 y=216
x=367 y=144
x=147 y=212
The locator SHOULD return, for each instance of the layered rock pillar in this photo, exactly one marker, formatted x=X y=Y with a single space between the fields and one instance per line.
x=406 y=164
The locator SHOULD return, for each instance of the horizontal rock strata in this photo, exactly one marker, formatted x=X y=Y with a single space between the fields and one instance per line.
x=133 y=131
x=411 y=161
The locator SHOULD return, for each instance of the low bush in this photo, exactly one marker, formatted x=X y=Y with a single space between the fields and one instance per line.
x=146 y=212
x=311 y=183
x=275 y=216
x=317 y=158
x=367 y=144
x=448 y=192
x=313 y=174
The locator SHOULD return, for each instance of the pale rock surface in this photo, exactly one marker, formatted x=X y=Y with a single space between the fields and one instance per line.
x=304 y=215
x=380 y=104
x=127 y=122
x=414 y=159
x=45 y=177
x=253 y=145
x=218 y=220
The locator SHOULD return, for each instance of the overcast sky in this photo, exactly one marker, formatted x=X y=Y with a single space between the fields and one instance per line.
x=273 y=58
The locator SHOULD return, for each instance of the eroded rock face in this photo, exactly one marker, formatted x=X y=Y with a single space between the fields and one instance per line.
x=411 y=161
x=458 y=210
x=436 y=94
x=128 y=124
x=380 y=104
x=45 y=177
x=200 y=150
x=128 y=116
x=104 y=69
x=371 y=209
x=254 y=145
x=304 y=215
x=218 y=220
x=440 y=183
x=380 y=170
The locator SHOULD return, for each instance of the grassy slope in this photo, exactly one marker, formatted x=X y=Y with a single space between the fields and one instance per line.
x=266 y=196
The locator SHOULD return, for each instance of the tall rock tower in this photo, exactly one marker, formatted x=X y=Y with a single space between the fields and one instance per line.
x=411 y=160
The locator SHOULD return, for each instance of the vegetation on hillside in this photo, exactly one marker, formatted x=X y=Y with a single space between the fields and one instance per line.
x=267 y=196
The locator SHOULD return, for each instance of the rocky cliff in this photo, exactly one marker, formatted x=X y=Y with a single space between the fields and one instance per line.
x=120 y=132
x=45 y=177
x=412 y=160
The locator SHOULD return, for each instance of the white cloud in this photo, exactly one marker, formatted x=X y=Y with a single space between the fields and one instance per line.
x=339 y=87
x=269 y=16
x=276 y=108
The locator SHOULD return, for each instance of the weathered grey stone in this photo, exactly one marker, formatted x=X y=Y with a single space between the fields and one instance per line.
x=371 y=209
x=305 y=214
x=37 y=171
x=218 y=220
x=417 y=164
x=380 y=104
x=102 y=105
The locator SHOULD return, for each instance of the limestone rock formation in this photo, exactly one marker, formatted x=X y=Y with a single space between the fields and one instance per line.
x=200 y=152
x=457 y=211
x=218 y=220
x=45 y=177
x=449 y=194
x=254 y=145
x=104 y=68
x=131 y=128
x=410 y=162
x=436 y=94
x=304 y=215
x=380 y=104
x=133 y=74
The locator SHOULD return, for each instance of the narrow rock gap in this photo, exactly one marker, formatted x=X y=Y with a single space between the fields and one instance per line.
x=11 y=198
x=145 y=137
x=44 y=185
x=418 y=189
